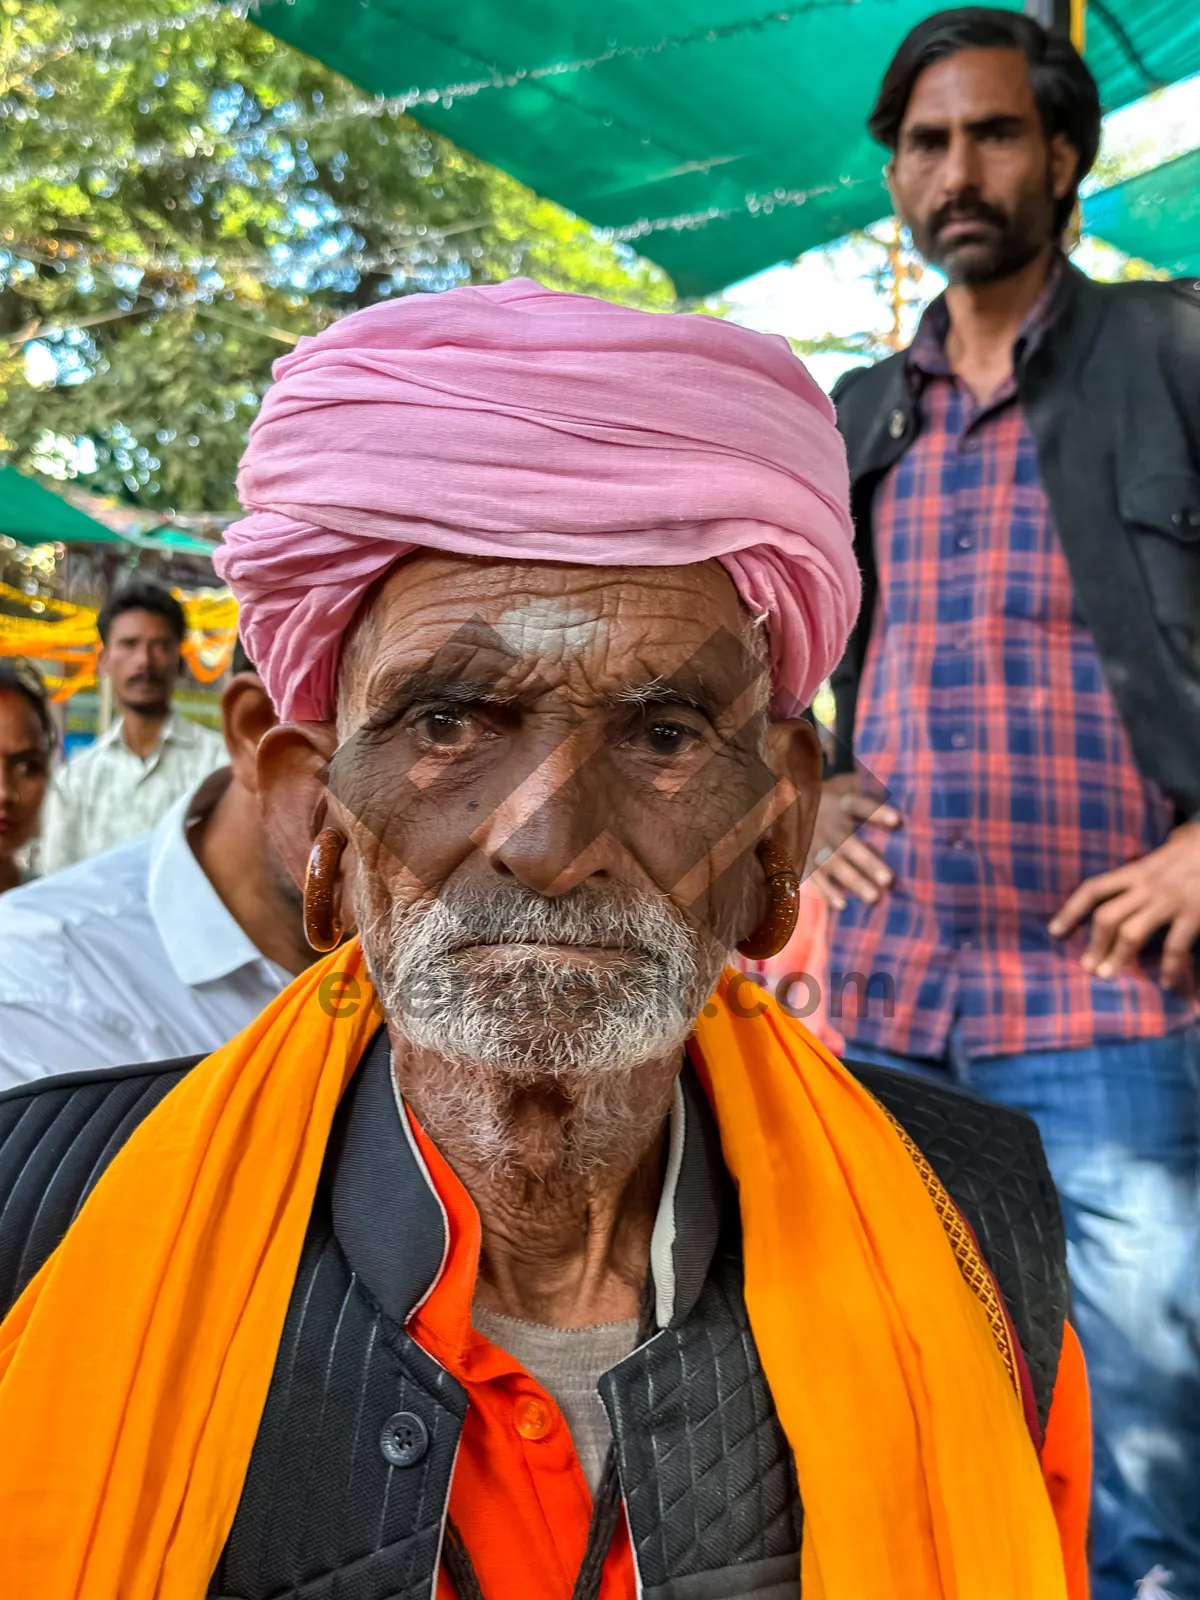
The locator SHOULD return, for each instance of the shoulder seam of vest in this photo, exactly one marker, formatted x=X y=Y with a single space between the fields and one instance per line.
x=100 y=1075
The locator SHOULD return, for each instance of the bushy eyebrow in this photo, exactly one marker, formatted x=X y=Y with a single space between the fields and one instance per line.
x=440 y=688
x=997 y=122
x=660 y=692
x=453 y=691
x=444 y=689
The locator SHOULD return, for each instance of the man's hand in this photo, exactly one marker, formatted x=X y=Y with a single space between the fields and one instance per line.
x=840 y=863
x=1130 y=905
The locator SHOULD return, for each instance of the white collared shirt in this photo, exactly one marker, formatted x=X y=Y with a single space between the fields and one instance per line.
x=106 y=794
x=130 y=956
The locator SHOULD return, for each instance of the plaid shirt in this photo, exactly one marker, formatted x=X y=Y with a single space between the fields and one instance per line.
x=984 y=712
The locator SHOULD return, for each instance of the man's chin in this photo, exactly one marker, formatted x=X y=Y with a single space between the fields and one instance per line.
x=553 y=1023
x=519 y=1004
x=147 y=705
x=986 y=257
x=524 y=1051
x=545 y=1050
x=971 y=261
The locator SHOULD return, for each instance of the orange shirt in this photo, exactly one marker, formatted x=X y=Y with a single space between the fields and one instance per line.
x=519 y=1498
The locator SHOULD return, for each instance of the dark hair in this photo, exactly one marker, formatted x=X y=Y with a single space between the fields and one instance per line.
x=1066 y=94
x=19 y=677
x=241 y=662
x=142 y=595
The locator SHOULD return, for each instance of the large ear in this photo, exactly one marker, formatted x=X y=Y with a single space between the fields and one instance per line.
x=246 y=715
x=295 y=802
x=794 y=755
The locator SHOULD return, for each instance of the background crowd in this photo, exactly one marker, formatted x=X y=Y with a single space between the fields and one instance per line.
x=1004 y=886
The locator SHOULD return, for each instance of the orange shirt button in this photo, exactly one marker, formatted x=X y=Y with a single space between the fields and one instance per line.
x=532 y=1417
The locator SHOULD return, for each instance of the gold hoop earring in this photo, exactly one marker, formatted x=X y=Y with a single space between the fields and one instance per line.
x=777 y=927
x=322 y=925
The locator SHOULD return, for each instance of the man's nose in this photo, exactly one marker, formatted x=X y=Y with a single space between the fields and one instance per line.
x=960 y=170
x=550 y=832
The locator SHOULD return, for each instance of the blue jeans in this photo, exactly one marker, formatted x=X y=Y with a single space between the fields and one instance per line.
x=1121 y=1127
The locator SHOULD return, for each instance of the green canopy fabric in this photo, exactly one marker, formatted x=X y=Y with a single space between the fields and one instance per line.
x=714 y=136
x=33 y=514
x=1155 y=217
x=170 y=541
x=36 y=515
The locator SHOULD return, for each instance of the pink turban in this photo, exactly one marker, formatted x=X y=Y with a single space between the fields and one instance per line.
x=517 y=423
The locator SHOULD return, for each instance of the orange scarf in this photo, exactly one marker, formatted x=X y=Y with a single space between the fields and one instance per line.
x=134 y=1368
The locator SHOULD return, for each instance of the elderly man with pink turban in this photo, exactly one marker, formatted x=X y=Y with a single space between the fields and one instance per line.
x=523 y=1248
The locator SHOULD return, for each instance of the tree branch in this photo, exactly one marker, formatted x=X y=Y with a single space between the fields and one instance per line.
x=39 y=332
x=264 y=328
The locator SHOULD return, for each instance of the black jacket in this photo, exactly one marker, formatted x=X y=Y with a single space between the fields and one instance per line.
x=348 y=1484
x=1112 y=397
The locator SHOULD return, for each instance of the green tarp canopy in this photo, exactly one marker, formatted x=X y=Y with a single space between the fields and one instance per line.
x=170 y=541
x=715 y=136
x=1155 y=216
x=35 y=515
x=32 y=514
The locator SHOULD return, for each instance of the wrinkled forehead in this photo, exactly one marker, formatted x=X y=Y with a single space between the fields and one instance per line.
x=522 y=629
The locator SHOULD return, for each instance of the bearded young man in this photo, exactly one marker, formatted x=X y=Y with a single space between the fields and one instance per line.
x=516 y=1251
x=1023 y=684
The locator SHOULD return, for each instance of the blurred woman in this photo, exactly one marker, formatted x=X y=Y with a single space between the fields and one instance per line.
x=26 y=742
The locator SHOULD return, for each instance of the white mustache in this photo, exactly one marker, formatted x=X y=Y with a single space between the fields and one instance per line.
x=611 y=919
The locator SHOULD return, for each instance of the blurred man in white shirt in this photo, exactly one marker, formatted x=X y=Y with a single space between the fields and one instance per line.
x=165 y=946
x=122 y=784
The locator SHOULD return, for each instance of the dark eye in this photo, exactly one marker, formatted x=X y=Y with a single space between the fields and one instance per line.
x=444 y=728
x=668 y=738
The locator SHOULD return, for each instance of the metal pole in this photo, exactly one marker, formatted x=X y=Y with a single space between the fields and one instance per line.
x=1056 y=16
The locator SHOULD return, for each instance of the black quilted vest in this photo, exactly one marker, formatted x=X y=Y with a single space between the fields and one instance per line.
x=337 y=1506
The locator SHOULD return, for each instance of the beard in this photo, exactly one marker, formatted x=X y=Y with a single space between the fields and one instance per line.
x=520 y=996
x=1003 y=243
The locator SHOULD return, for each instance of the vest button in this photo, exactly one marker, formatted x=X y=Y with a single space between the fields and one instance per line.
x=403 y=1439
x=532 y=1417
x=897 y=423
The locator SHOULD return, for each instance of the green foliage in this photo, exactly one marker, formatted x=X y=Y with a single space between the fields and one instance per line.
x=181 y=197
x=881 y=255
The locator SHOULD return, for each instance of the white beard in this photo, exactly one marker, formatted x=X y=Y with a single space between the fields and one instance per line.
x=470 y=979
